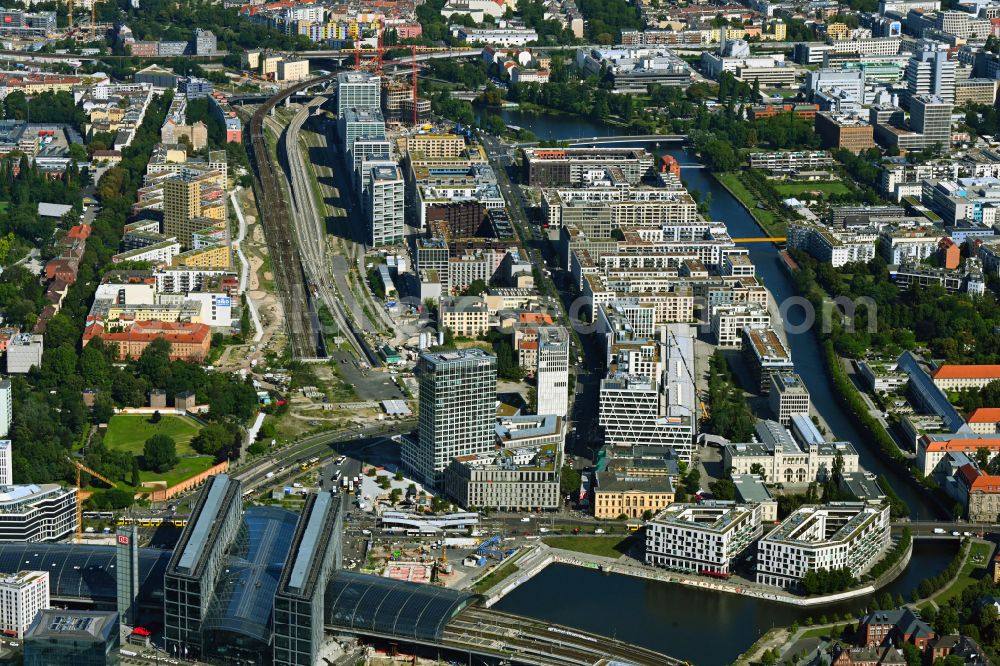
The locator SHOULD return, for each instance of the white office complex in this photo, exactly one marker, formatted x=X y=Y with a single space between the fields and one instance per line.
x=37 y=512
x=702 y=537
x=850 y=535
x=6 y=410
x=931 y=72
x=22 y=595
x=384 y=205
x=552 y=371
x=358 y=90
x=457 y=410
x=649 y=400
x=367 y=150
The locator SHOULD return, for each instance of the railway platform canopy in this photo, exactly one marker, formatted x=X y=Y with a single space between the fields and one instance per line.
x=380 y=606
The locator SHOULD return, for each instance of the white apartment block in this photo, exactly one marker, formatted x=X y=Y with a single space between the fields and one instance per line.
x=834 y=247
x=729 y=320
x=384 y=205
x=22 y=595
x=6 y=463
x=552 y=371
x=6 y=410
x=850 y=535
x=705 y=537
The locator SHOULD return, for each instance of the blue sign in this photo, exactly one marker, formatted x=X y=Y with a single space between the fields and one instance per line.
x=223 y=302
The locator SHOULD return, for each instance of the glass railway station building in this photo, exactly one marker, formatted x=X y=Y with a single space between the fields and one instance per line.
x=242 y=585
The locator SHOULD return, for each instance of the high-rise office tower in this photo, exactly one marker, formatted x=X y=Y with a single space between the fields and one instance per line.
x=457 y=410
x=552 y=371
x=931 y=116
x=359 y=90
x=930 y=72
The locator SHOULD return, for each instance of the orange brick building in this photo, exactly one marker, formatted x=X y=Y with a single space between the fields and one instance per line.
x=188 y=342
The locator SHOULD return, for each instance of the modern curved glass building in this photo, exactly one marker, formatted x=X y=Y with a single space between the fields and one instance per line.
x=259 y=586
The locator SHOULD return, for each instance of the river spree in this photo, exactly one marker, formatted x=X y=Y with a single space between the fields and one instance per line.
x=702 y=626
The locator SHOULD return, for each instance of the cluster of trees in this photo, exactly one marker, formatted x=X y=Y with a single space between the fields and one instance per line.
x=964 y=614
x=827 y=581
x=730 y=414
x=988 y=396
x=891 y=558
x=954 y=326
x=159 y=453
x=46 y=107
x=605 y=19
x=550 y=31
x=49 y=414
x=175 y=21
x=471 y=75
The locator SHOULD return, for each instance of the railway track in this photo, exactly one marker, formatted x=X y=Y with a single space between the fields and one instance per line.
x=301 y=322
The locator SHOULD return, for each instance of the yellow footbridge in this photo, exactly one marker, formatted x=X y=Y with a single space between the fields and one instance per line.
x=771 y=239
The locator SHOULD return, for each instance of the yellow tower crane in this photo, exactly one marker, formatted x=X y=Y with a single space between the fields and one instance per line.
x=80 y=467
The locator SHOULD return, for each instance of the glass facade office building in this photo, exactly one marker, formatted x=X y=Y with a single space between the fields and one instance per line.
x=457 y=410
x=197 y=563
x=298 y=605
x=72 y=638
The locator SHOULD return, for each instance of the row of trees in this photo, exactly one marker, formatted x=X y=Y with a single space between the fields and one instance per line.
x=730 y=414
x=827 y=581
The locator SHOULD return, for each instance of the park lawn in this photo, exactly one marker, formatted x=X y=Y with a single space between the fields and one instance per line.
x=968 y=575
x=184 y=469
x=604 y=546
x=827 y=188
x=130 y=432
x=765 y=217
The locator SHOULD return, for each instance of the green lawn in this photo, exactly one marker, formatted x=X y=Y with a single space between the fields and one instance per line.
x=767 y=218
x=503 y=571
x=971 y=572
x=130 y=432
x=605 y=546
x=184 y=469
x=797 y=189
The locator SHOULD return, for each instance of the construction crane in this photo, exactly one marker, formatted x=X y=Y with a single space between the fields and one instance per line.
x=80 y=467
x=93 y=19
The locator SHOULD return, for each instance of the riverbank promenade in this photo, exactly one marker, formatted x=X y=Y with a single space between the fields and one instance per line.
x=542 y=555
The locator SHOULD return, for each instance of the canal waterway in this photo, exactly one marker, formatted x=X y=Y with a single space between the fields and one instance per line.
x=804 y=345
x=704 y=627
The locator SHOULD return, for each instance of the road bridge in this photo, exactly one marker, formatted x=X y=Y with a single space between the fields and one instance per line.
x=620 y=138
